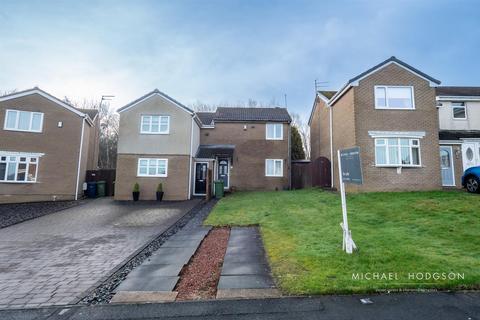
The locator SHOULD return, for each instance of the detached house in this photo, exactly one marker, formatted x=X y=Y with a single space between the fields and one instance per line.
x=46 y=146
x=163 y=141
x=390 y=112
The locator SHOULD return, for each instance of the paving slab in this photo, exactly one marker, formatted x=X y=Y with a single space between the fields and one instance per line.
x=247 y=250
x=248 y=293
x=144 y=296
x=157 y=270
x=147 y=284
x=245 y=268
x=171 y=256
x=182 y=243
x=246 y=282
x=259 y=258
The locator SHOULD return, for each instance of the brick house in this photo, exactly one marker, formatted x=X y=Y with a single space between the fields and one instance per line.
x=46 y=146
x=390 y=112
x=163 y=141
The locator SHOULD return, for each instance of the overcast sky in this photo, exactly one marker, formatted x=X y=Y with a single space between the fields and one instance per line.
x=228 y=51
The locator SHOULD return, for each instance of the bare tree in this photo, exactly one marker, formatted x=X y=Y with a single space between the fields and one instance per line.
x=302 y=126
x=251 y=103
x=108 y=137
x=8 y=91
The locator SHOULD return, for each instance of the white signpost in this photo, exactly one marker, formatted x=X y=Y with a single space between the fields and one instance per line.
x=349 y=171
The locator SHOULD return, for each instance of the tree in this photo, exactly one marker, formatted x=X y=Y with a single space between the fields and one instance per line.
x=304 y=131
x=297 y=151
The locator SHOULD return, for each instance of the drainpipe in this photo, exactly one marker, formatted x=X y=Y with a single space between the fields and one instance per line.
x=190 y=162
x=80 y=158
x=289 y=157
x=332 y=162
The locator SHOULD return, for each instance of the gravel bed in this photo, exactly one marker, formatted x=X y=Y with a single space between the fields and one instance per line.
x=199 y=278
x=103 y=293
x=13 y=213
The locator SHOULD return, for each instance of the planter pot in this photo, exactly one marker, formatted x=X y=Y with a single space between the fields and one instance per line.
x=135 y=195
x=159 y=196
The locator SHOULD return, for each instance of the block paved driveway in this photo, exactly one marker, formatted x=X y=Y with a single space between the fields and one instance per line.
x=53 y=259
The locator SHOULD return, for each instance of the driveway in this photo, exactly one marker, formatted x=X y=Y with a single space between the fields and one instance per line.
x=53 y=259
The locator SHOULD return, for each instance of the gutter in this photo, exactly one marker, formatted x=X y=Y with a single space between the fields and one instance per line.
x=79 y=158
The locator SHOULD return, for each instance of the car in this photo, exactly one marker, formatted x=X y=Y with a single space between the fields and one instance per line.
x=471 y=179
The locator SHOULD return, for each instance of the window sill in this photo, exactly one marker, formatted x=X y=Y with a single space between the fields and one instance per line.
x=19 y=182
x=403 y=109
x=19 y=130
x=271 y=176
x=155 y=133
x=279 y=139
x=147 y=176
x=396 y=166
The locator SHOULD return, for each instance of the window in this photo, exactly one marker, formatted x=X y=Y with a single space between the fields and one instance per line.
x=459 y=110
x=394 y=97
x=397 y=152
x=274 y=131
x=152 y=167
x=274 y=168
x=155 y=124
x=23 y=121
x=18 y=168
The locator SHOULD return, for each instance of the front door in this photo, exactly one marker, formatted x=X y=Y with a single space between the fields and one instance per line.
x=223 y=171
x=470 y=154
x=446 y=164
x=200 y=178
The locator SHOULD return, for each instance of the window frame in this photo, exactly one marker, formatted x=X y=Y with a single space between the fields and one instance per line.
x=17 y=162
x=411 y=146
x=386 y=107
x=17 y=119
x=147 y=175
x=274 y=161
x=160 y=116
x=464 y=106
x=274 y=131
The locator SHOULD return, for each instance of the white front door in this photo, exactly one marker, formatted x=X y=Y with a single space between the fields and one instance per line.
x=470 y=154
x=446 y=164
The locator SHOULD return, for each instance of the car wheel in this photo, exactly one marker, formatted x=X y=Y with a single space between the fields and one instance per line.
x=473 y=185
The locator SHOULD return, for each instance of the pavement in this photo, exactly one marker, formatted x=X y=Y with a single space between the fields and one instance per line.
x=54 y=259
x=425 y=306
x=245 y=271
x=155 y=279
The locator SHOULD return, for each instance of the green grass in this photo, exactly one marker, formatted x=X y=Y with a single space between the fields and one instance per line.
x=401 y=233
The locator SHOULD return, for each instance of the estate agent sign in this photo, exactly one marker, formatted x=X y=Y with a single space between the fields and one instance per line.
x=349 y=171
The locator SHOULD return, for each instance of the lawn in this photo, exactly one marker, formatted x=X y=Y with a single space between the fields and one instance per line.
x=425 y=233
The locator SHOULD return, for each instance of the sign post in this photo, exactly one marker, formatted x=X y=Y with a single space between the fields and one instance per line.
x=349 y=171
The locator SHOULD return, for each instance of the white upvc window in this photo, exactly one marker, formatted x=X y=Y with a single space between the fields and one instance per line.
x=394 y=97
x=397 y=152
x=26 y=121
x=274 y=131
x=149 y=167
x=18 y=168
x=459 y=110
x=274 y=167
x=155 y=124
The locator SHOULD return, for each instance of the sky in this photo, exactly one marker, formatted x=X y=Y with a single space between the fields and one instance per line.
x=226 y=52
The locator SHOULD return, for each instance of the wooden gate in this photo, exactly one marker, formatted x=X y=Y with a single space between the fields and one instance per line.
x=107 y=175
x=314 y=173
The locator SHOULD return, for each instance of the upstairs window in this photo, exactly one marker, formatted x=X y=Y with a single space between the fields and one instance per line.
x=459 y=110
x=397 y=152
x=154 y=124
x=394 y=97
x=18 y=168
x=274 y=131
x=23 y=121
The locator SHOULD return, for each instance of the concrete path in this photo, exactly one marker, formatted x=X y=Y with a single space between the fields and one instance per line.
x=430 y=306
x=155 y=279
x=245 y=271
x=54 y=259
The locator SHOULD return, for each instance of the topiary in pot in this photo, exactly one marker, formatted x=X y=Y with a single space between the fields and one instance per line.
x=136 y=191
x=160 y=192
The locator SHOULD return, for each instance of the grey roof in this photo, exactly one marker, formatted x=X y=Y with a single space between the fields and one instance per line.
x=206 y=117
x=252 y=114
x=92 y=113
x=156 y=91
x=458 y=134
x=400 y=62
x=327 y=94
x=210 y=151
x=458 y=91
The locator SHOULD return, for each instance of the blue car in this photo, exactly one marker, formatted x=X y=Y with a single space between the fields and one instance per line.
x=471 y=179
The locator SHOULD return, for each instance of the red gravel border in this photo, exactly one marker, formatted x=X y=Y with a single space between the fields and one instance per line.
x=199 y=278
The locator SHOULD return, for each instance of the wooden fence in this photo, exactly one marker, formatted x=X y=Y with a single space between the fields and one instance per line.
x=306 y=173
x=107 y=175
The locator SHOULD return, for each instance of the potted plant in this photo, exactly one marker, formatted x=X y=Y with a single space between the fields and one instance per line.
x=136 y=192
x=159 y=192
